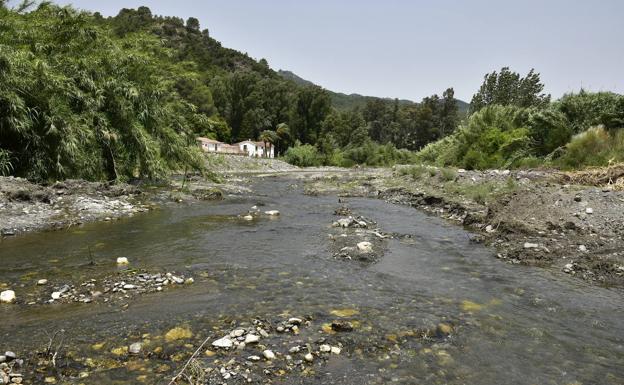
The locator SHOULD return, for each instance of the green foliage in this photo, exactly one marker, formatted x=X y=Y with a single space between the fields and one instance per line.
x=585 y=110
x=494 y=137
x=507 y=88
x=75 y=101
x=6 y=167
x=594 y=147
x=448 y=174
x=303 y=156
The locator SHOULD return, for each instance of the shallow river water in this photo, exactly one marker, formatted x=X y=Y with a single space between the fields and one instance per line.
x=511 y=324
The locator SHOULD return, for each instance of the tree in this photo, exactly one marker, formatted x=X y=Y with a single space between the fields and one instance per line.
x=268 y=136
x=283 y=137
x=508 y=88
x=448 y=118
x=192 y=25
x=312 y=104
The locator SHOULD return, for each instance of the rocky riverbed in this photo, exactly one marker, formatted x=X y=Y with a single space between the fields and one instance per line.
x=532 y=217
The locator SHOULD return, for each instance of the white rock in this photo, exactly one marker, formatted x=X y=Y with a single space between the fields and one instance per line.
x=135 y=348
x=224 y=342
x=237 y=333
x=253 y=358
x=589 y=210
x=42 y=282
x=309 y=357
x=129 y=287
x=343 y=222
x=7 y=296
x=365 y=247
x=248 y=218
x=529 y=245
x=56 y=295
x=251 y=339
x=272 y=213
x=268 y=354
x=335 y=350
x=189 y=281
x=295 y=321
x=325 y=348
x=489 y=229
x=582 y=248
x=568 y=268
x=294 y=349
x=122 y=261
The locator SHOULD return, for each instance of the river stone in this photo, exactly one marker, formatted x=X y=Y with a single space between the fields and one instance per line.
x=122 y=261
x=582 y=248
x=489 y=229
x=272 y=213
x=251 y=339
x=224 y=342
x=253 y=358
x=343 y=222
x=7 y=296
x=309 y=357
x=529 y=245
x=10 y=356
x=135 y=348
x=365 y=247
x=444 y=329
x=248 y=218
x=335 y=350
x=325 y=348
x=295 y=321
x=2 y=359
x=268 y=354
x=589 y=210
x=42 y=282
x=129 y=287
x=56 y=295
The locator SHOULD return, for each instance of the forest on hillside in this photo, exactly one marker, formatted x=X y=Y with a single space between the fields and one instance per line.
x=84 y=96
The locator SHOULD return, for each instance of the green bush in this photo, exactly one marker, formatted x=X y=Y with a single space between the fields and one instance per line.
x=494 y=137
x=303 y=156
x=448 y=174
x=594 y=147
x=416 y=172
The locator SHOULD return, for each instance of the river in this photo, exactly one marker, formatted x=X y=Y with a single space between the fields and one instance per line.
x=511 y=324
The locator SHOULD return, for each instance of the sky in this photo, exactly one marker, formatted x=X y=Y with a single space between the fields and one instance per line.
x=414 y=48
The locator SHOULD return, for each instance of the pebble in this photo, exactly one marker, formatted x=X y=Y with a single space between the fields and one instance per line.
x=10 y=355
x=42 y=282
x=253 y=358
x=365 y=247
x=135 y=348
x=309 y=357
x=129 y=287
x=325 y=348
x=251 y=339
x=224 y=342
x=122 y=261
x=268 y=354
x=582 y=248
x=272 y=213
x=529 y=245
x=237 y=333
x=248 y=218
x=489 y=229
x=589 y=210
x=295 y=321
x=568 y=268
x=444 y=329
x=335 y=350
x=7 y=296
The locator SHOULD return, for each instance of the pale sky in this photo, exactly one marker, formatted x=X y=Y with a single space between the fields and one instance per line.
x=414 y=48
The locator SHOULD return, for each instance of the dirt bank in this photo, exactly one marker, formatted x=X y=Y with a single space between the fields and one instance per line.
x=531 y=217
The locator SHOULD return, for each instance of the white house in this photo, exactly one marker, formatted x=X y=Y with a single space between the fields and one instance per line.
x=247 y=147
x=256 y=149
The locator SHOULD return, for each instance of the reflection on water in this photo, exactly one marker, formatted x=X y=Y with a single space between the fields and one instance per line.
x=510 y=324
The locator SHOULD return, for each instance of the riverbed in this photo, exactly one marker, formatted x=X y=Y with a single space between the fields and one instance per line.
x=507 y=324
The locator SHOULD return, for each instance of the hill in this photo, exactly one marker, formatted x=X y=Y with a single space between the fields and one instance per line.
x=343 y=102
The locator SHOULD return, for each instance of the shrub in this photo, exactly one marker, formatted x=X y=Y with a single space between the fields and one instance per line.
x=594 y=147
x=416 y=172
x=448 y=174
x=303 y=156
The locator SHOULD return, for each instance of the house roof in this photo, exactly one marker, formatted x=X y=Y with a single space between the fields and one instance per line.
x=207 y=140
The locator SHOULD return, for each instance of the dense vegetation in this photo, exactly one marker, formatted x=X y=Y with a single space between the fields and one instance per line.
x=514 y=125
x=84 y=96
